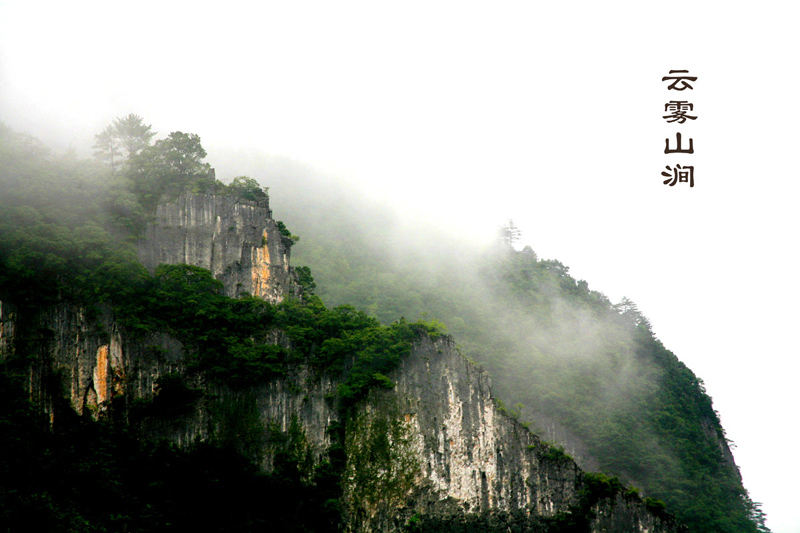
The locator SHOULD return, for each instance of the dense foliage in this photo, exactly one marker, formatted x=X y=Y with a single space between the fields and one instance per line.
x=98 y=477
x=90 y=476
x=82 y=475
x=68 y=226
x=576 y=367
x=569 y=360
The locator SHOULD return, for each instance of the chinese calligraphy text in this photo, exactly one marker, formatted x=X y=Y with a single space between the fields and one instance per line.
x=678 y=113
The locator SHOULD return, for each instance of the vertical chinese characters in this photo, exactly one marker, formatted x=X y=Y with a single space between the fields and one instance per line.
x=678 y=113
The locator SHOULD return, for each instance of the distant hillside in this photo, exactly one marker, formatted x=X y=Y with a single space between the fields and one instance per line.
x=583 y=372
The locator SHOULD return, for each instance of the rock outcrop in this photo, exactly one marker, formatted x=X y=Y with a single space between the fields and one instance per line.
x=434 y=451
x=438 y=449
x=435 y=448
x=237 y=240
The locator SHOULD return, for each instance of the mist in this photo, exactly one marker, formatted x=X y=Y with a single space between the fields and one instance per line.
x=582 y=372
x=402 y=264
x=433 y=125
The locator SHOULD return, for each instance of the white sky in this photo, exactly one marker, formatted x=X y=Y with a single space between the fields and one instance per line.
x=473 y=113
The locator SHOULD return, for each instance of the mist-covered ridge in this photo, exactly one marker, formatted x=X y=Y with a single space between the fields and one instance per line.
x=585 y=373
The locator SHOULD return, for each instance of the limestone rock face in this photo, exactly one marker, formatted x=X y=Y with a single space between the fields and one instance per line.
x=237 y=240
x=92 y=357
x=436 y=445
x=7 y=323
x=619 y=514
x=451 y=451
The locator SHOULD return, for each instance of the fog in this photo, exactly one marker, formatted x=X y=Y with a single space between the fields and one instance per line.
x=447 y=120
x=545 y=337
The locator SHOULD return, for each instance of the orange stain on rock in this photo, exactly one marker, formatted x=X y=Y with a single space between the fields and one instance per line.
x=260 y=272
x=101 y=374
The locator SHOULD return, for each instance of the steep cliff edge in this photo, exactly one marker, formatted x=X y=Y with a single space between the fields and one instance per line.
x=237 y=240
x=428 y=450
x=433 y=450
x=163 y=395
x=438 y=448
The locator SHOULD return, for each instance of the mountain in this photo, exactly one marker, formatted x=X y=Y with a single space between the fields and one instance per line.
x=164 y=367
x=583 y=372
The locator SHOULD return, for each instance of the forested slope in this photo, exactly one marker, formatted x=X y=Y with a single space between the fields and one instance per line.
x=68 y=234
x=565 y=360
x=582 y=371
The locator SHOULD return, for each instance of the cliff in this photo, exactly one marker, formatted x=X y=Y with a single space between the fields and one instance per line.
x=438 y=449
x=237 y=240
x=429 y=451
x=435 y=449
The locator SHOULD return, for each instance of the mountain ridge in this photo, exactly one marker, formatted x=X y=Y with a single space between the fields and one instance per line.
x=593 y=366
x=400 y=464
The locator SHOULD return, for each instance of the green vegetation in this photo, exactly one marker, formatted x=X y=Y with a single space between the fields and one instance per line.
x=99 y=477
x=383 y=466
x=286 y=233
x=221 y=335
x=169 y=167
x=124 y=138
x=594 y=488
x=556 y=453
x=246 y=188
x=590 y=369
x=174 y=398
x=63 y=237
x=68 y=226
x=552 y=345
x=578 y=519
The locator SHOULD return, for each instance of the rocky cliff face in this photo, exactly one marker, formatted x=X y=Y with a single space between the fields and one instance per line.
x=436 y=448
x=435 y=451
x=238 y=241
x=91 y=358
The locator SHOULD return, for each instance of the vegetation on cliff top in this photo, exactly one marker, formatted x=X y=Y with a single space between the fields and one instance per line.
x=561 y=351
x=81 y=250
x=76 y=249
x=68 y=226
x=579 y=367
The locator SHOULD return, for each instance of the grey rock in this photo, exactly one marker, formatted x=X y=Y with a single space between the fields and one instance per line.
x=237 y=240
x=435 y=447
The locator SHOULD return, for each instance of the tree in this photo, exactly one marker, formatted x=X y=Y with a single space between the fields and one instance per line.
x=133 y=134
x=107 y=147
x=247 y=188
x=179 y=160
x=628 y=309
x=169 y=167
x=509 y=233
x=127 y=136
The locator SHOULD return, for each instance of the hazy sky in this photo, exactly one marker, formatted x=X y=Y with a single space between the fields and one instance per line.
x=549 y=113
